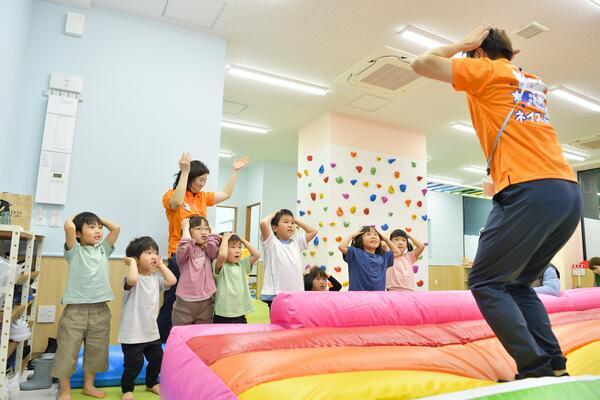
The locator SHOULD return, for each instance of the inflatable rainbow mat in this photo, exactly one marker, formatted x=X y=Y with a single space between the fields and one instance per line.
x=377 y=345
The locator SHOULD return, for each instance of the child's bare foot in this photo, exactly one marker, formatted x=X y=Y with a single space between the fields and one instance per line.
x=93 y=391
x=127 y=396
x=65 y=395
x=154 y=389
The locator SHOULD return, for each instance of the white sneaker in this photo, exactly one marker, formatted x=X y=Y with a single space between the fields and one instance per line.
x=19 y=331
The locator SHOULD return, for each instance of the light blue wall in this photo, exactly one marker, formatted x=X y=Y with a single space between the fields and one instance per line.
x=446 y=232
x=279 y=187
x=151 y=91
x=14 y=26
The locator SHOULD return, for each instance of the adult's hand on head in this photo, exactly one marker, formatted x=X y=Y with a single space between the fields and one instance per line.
x=474 y=39
x=184 y=162
x=241 y=163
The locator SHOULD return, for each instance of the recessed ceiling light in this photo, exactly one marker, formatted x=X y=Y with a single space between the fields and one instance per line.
x=243 y=127
x=225 y=154
x=573 y=156
x=461 y=126
x=444 y=181
x=422 y=37
x=475 y=169
x=277 y=80
x=577 y=98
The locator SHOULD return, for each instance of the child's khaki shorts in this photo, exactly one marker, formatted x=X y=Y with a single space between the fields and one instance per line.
x=87 y=323
x=193 y=312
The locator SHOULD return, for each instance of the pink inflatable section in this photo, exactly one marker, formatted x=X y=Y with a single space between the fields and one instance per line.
x=355 y=309
x=184 y=375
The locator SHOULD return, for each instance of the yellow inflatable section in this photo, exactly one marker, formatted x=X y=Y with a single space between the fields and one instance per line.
x=396 y=385
x=585 y=360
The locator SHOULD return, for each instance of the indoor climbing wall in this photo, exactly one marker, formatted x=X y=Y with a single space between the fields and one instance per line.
x=341 y=189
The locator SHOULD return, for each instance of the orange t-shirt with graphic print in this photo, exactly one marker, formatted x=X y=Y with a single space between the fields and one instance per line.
x=528 y=149
x=193 y=204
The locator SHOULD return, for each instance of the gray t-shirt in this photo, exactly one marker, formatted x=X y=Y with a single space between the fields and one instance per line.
x=140 y=309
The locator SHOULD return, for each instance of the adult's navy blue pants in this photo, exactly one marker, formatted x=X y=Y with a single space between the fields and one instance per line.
x=529 y=223
x=164 y=320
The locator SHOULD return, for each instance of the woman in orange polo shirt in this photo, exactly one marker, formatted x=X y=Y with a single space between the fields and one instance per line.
x=187 y=199
x=536 y=204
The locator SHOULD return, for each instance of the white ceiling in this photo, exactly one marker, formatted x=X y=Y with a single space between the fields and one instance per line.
x=316 y=40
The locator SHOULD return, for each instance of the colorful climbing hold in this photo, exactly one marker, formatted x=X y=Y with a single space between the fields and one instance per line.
x=308 y=212
x=366 y=211
x=313 y=196
x=337 y=269
x=324 y=238
x=415 y=268
x=396 y=174
x=346 y=224
x=298 y=201
x=419 y=178
x=407 y=202
x=330 y=253
x=419 y=203
x=408 y=229
x=391 y=189
x=385 y=227
x=359 y=168
x=310 y=184
x=373 y=197
x=326 y=179
x=373 y=170
x=384 y=199
x=309 y=157
x=338 y=239
x=353 y=154
x=420 y=283
x=312 y=253
x=332 y=223
x=353 y=182
x=333 y=165
x=414 y=216
x=321 y=169
x=345 y=284
x=391 y=160
x=402 y=188
x=378 y=158
x=390 y=214
x=299 y=175
x=352 y=209
x=346 y=196
x=316 y=241
x=413 y=164
x=302 y=213
x=320 y=225
x=424 y=191
x=321 y=195
x=325 y=208
x=366 y=184
x=339 y=212
x=424 y=217
x=305 y=172
x=339 y=180
x=378 y=186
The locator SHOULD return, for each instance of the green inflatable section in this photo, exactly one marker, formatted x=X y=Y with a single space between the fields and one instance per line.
x=580 y=390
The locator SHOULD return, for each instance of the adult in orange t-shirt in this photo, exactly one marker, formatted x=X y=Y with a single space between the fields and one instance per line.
x=185 y=200
x=537 y=202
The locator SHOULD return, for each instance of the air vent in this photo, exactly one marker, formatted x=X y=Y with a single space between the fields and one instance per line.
x=530 y=30
x=587 y=143
x=385 y=72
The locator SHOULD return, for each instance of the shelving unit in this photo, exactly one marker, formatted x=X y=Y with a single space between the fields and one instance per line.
x=29 y=245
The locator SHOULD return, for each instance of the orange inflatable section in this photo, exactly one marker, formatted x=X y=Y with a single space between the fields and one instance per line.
x=213 y=348
x=483 y=359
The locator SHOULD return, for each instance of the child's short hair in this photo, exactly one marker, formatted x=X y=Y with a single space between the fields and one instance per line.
x=496 y=45
x=85 y=218
x=594 y=263
x=197 y=220
x=280 y=214
x=358 y=241
x=197 y=168
x=233 y=239
x=400 y=233
x=317 y=272
x=137 y=246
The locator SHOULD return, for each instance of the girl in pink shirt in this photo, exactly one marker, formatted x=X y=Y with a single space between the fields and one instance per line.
x=400 y=276
x=196 y=251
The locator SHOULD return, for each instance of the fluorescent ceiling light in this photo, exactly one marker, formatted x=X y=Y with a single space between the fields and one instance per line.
x=243 y=127
x=422 y=37
x=577 y=98
x=461 y=126
x=573 y=156
x=444 y=181
x=225 y=154
x=278 y=80
x=596 y=2
x=475 y=169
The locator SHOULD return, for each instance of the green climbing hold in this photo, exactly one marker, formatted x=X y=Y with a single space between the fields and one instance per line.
x=339 y=179
x=373 y=170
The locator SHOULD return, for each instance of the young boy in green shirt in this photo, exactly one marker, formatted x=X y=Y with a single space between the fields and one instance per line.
x=232 y=300
x=86 y=317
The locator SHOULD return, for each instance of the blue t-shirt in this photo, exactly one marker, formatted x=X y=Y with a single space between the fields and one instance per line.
x=366 y=270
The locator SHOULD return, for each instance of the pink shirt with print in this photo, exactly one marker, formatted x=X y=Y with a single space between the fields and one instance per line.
x=196 y=281
x=401 y=276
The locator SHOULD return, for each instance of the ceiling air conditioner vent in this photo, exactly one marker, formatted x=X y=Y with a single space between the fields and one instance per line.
x=587 y=143
x=385 y=72
x=530 y=30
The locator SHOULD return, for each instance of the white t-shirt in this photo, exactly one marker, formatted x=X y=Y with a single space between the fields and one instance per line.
x=140 y=309
x=283 y=264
